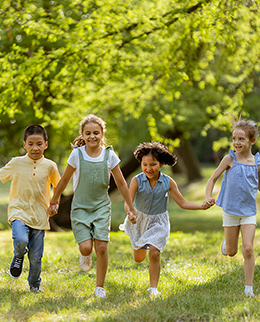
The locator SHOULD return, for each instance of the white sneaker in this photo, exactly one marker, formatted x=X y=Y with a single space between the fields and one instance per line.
x=223 y=248
x=250 y=294
x=153 y=291
x=100 y=292
x=85 y=262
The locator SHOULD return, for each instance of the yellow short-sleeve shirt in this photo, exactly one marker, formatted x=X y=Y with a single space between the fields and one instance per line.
x=29 y=195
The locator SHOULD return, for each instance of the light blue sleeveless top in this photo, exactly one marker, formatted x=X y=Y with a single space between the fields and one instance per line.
x=239 y=188
x=152 y=201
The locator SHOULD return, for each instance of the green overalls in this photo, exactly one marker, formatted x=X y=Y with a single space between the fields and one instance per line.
x=91 y=206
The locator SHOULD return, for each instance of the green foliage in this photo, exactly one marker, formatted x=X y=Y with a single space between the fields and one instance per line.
x=180 y=64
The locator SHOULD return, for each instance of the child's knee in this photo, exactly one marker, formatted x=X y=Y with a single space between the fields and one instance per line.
x=138 y=258
x=154 y=255
x=248 y=251
x=101 y=248
x=21 y=242
x=139 y=255
x=85 y=250
x=231 y=252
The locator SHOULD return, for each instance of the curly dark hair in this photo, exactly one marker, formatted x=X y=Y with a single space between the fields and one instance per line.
x=158 y=151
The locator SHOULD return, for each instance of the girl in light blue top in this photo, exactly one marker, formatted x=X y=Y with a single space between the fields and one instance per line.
x=149 y=191
x=237 y=196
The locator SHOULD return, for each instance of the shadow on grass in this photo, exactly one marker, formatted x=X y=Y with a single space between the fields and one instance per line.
x=219 y=299
x=38 y=305
x=212 y=301
x=216 y=300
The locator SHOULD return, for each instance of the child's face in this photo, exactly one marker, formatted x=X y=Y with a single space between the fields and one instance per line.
x=241 y=141
x=92 y=135
x=151 y=167
x=35 y=145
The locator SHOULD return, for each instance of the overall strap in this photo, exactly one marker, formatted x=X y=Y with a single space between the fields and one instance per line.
x=107 y=152
x=80 y=155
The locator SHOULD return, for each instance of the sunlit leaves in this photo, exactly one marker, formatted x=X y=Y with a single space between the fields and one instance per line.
x=181 y=62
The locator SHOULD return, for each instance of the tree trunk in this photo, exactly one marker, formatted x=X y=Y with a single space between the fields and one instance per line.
x=190 y=160
x=187 y=155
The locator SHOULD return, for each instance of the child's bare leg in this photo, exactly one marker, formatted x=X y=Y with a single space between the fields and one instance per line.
x=155 y=266
x=101 y=248
x=139 y=255
x=248 y=235
x=86 y=247
x=231 y=237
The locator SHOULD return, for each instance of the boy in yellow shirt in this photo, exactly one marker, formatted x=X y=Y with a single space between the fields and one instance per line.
x=32 y=176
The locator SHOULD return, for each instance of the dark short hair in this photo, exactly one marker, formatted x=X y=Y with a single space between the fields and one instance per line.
x=35 y=129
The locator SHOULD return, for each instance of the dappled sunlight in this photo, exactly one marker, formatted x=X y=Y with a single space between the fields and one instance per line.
x=196 y=283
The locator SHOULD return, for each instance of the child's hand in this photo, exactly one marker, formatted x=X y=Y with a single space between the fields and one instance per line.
x=53 y=209
x=132 y=217
x=208 y=202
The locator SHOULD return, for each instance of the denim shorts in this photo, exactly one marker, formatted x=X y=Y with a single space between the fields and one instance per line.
x=230 y=220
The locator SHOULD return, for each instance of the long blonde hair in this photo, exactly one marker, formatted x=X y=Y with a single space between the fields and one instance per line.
x=91 y=118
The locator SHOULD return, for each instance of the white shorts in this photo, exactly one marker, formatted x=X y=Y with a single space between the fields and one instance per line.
x=230 y=220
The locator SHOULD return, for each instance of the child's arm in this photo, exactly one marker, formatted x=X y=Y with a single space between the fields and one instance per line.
x=122 y=186
x=259 y=177
x=181 y=202
x=53 y=208
x=225 y=164
x=133 y=188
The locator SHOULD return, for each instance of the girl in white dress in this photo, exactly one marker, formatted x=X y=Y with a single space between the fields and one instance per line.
x=149 y=191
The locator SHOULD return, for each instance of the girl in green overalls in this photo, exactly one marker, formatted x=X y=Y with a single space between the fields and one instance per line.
x=90 y=163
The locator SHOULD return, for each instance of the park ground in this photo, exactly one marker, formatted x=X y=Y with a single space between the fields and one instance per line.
x=197 y=282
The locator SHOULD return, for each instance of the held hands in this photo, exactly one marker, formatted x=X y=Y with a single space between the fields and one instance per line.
x=132 y=217
x=53 y=209
x=208 y=202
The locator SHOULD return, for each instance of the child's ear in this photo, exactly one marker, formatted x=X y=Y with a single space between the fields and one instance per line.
x=46 y=145
x=253 y=140
x=162 y=164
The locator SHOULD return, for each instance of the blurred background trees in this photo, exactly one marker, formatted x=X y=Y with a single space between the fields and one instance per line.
x=166 y=70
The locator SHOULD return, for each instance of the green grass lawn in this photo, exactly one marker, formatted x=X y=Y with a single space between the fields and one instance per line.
x=197 y=283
